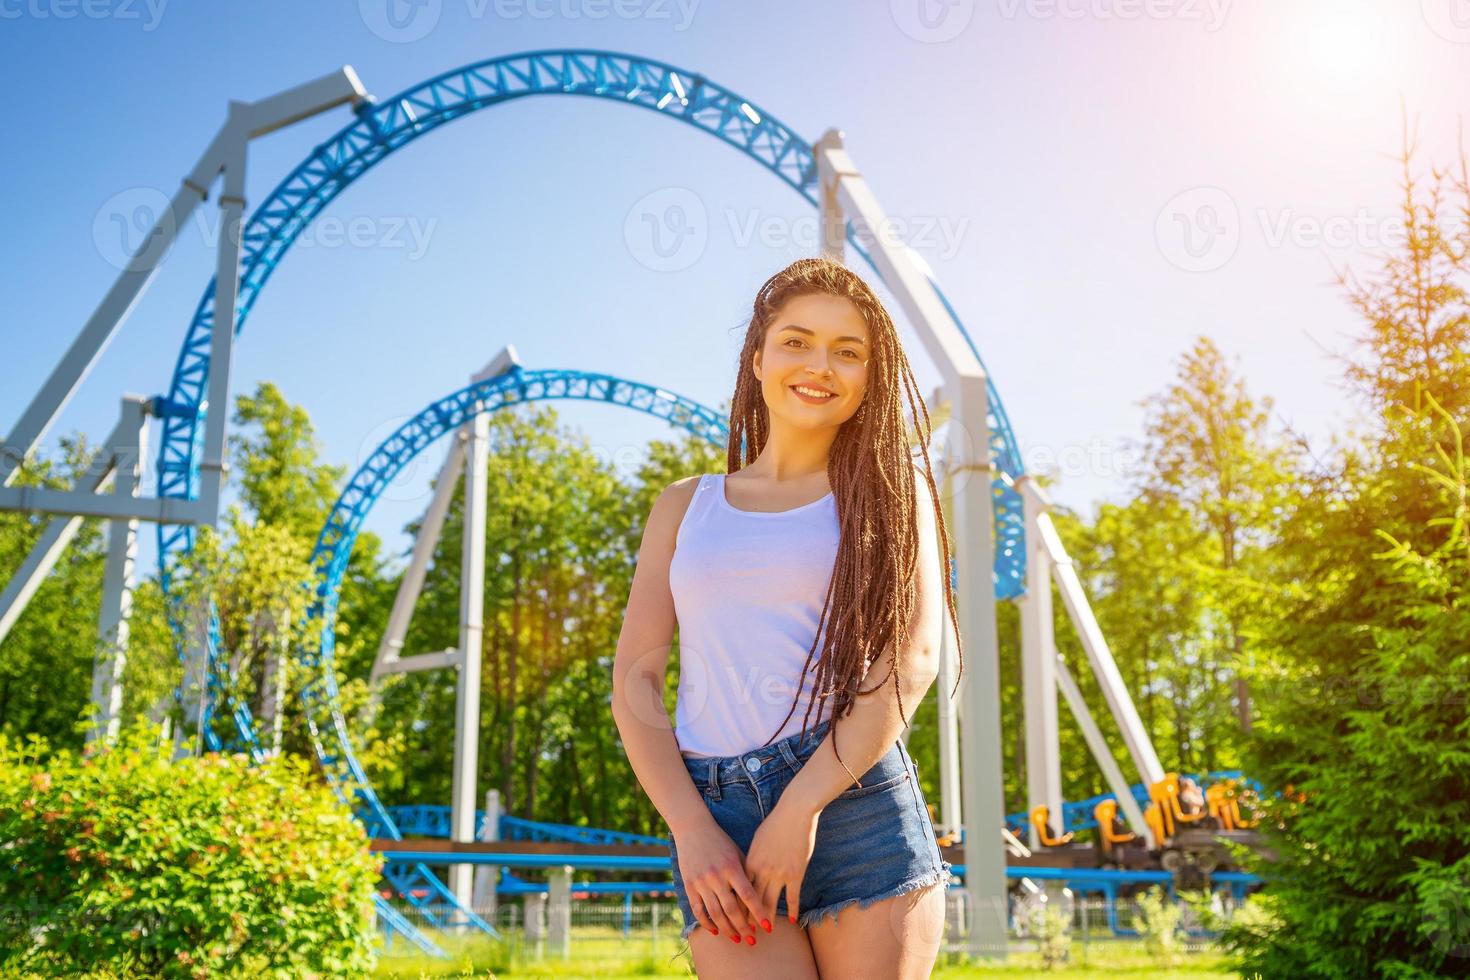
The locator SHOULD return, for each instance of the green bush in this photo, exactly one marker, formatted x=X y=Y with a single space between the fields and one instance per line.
x=1052 y=928
x=124 y=862
x=1370 y=873
x=1158 y=923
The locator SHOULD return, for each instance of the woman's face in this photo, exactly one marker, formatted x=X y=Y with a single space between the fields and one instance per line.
x=816 y=341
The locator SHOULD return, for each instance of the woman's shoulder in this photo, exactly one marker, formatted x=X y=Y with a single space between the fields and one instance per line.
x=674 y=499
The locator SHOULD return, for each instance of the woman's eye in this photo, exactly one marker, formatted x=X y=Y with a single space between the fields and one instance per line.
x=845 y=350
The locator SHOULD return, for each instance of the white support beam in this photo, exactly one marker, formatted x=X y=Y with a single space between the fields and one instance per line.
x=167 y=510
x=965 y=383
x=1101 y=752
x=833 y=222
x=464 y=783
x=1120 y=703
x=216 y=406
x=422 y=661
x=119 y=576
x=105 y=320
x=59 y=533
x=487 y=876
x=225 y=147
x=194 y=687
x=951 y=811
x=389 y=659
x=1038 y=681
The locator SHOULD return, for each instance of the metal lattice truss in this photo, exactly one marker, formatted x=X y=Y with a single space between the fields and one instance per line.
x=384 y=127
x=377 y=473
x=380 y=129
x=992 y=514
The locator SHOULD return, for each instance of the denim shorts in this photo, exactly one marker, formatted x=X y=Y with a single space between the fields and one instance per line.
x=873 y=842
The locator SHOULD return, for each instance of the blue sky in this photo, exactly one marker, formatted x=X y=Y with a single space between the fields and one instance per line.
x=1094 y=182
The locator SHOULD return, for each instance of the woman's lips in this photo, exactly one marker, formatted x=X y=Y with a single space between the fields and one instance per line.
x=810 y=400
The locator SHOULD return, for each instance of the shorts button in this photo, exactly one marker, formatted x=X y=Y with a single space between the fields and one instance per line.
x=752 y=764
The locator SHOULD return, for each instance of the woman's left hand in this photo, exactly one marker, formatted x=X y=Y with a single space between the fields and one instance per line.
x=778 y=857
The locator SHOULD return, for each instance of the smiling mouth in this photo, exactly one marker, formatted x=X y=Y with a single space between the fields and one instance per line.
x=811 y=395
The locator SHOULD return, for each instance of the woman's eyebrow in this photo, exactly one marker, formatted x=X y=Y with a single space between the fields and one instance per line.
x=792 y=326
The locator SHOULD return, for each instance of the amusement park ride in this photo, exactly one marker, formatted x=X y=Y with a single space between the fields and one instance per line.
x=1005 y=544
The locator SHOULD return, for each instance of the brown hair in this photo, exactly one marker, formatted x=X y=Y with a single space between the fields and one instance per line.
x=872 y=594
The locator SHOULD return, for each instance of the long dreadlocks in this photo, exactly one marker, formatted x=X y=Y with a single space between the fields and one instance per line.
x=872 y=594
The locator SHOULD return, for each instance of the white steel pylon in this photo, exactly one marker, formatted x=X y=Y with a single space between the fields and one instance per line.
x=225 y=158
x=1044 y=673
x=845 y=193
x=469 y=455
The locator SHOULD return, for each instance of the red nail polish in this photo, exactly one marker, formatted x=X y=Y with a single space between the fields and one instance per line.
x=735 y=939
x=766 y=924
x=792 y=918
x=714 y=930
x=750 y=940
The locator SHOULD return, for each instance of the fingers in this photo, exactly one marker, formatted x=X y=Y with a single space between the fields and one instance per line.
x=715 y=908
x=770 y=893
x=734 y=913
x=793 y=900
x=745 y=891
x=702 y=916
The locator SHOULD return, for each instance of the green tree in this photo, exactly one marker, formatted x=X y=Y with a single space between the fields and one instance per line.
x=1366 y=718
x=1209 y=449
x=46 y=660
x=277 y=466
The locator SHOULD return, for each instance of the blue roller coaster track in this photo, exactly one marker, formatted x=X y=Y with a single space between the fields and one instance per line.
x=379 y=129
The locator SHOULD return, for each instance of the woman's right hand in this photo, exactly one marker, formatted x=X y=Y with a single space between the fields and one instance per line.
x=713 y=870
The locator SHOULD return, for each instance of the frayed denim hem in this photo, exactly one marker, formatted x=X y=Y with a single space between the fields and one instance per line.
x=939 y=875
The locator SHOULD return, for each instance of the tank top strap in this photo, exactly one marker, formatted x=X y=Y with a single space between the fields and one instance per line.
x=699 y=505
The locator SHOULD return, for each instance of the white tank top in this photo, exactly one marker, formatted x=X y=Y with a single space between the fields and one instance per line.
x=748 y=590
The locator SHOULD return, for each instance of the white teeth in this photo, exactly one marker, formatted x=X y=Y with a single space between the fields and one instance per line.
x=812 y=391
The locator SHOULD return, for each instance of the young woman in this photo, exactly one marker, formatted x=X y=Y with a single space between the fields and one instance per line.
x=809 y=576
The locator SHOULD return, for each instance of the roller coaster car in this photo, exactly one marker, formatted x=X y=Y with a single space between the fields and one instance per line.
x=1111 y=831
x=1165 y=795
x=1043 y=829
x=1223 y=802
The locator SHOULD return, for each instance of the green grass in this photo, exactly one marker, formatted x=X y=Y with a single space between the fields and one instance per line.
x=602 y=952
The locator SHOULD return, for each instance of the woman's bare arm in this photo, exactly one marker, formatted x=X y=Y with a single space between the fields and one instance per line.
x=641 y=664
x=874 y=724
x=720 y=894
